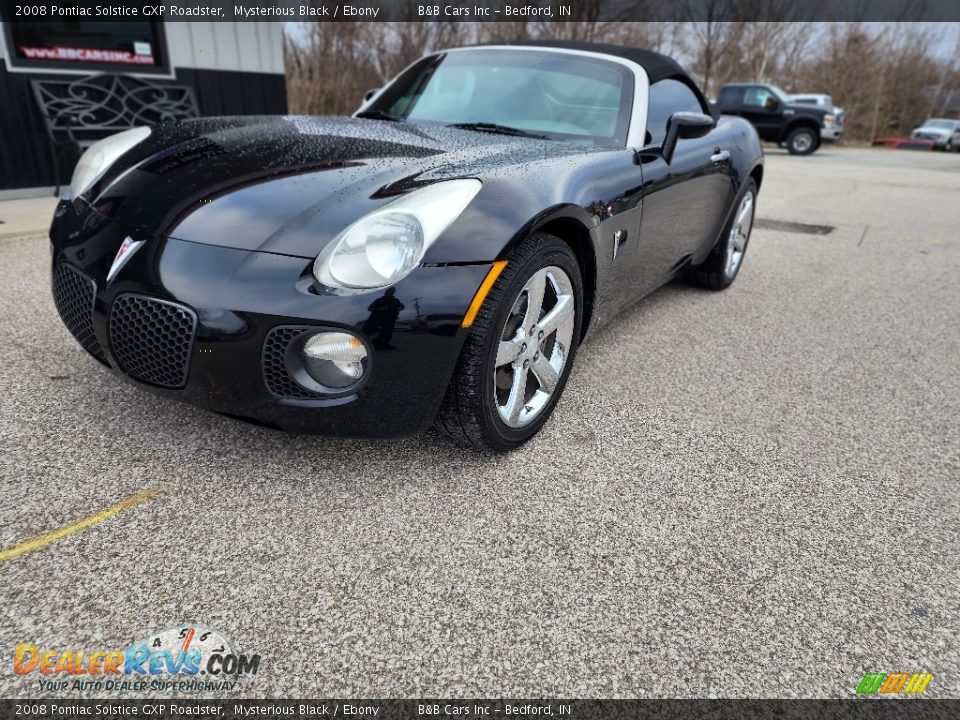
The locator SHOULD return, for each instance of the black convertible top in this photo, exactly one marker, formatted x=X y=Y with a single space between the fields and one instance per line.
x=656 y=65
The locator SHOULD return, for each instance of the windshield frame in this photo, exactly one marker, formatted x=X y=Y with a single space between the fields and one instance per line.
x=635 y=106
x=782 y=95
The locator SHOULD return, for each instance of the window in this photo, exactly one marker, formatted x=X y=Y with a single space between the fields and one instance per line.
x=729 y=96
x=133 y=47
x=564 y=97
x=942 y=124
x=667 y=97
x=820 y=100
x=760 y=97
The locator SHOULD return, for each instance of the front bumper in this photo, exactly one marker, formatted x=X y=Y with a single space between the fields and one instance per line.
x=190 y=322
x=831 y=134
x=939 y=141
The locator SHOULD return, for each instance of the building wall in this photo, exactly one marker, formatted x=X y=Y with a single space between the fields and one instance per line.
x=248 y=47
x=234 y=68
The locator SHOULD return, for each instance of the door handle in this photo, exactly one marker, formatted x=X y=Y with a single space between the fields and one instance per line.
x=720 y=157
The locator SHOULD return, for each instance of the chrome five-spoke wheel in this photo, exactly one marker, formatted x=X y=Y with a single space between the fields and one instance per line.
x=534 y=346
x=520 y=349
x=721 y=267
x=739 y=234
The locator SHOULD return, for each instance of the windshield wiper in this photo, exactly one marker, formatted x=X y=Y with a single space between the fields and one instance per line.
x=498 y=129
x=380 y=115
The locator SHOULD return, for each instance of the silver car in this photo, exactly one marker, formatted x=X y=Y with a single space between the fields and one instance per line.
x=944 y=133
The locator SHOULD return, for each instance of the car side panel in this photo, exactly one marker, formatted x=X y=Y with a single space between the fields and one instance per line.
x=768 y=121
x=601 y=192
x=685 y=202
x=659 y=216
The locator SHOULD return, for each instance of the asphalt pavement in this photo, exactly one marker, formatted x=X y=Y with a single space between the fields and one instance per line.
x=751 y=493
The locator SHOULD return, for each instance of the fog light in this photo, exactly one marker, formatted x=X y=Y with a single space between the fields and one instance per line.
x=334 y=360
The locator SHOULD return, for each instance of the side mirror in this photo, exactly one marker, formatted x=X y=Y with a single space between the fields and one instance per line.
x=684 y=126
x=369 y=94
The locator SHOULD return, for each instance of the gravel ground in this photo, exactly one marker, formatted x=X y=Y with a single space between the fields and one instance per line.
x=744 y=494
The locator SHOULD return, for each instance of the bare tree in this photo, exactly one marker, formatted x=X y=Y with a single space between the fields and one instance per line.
x=887 y=76
x=709 y=39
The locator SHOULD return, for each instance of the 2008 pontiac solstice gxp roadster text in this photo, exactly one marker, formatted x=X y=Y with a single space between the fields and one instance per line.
x=437 y=257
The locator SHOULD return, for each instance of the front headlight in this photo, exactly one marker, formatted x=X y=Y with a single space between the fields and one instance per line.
x=829 y=120
x=100 y=156
x=382 y=247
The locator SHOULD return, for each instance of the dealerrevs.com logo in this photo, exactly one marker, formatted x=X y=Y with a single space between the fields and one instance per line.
x=185 y=658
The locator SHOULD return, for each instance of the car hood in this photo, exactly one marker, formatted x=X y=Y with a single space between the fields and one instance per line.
x=814 y=110
x=942 y=132
x=288 y=185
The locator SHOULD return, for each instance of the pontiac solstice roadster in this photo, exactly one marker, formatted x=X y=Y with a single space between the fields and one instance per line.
x=438 y=257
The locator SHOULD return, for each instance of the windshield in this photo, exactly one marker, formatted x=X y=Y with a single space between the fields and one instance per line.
x=781 y=95
x=940 y=124
x=560 y=96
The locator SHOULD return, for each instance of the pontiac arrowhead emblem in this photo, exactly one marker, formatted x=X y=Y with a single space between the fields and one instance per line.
x=127 y=248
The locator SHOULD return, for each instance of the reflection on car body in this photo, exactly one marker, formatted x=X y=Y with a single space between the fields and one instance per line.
x=436 y=258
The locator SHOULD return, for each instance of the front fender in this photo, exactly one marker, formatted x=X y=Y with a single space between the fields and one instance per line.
x=584 y=188
x=800 y=122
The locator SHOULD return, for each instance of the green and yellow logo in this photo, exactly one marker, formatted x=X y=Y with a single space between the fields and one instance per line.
x=894 y=683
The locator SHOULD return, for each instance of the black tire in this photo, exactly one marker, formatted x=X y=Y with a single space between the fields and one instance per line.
x=802 y=140
x=468 y=414
x=712 y=273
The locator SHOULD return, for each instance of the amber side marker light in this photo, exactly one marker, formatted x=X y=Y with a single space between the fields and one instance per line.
x=482 y=291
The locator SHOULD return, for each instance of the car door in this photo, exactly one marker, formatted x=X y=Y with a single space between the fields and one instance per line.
x=684 y=201
x=730 y=100
x=764 y=111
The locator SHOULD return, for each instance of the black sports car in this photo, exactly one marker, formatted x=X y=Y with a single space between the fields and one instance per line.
x=437 y=257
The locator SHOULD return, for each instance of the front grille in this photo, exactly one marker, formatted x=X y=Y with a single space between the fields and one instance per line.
x=275 y=374
x=73 y=294
x=152 y=340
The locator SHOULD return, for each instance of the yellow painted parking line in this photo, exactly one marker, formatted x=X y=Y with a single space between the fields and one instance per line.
x=39 y=542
